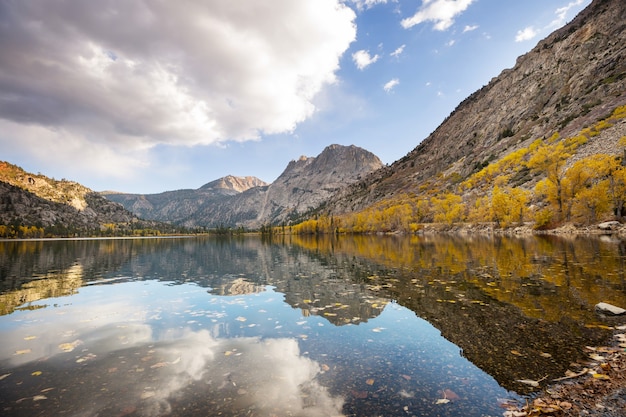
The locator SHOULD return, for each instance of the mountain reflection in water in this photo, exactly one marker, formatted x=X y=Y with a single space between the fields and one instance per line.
x=346 y=326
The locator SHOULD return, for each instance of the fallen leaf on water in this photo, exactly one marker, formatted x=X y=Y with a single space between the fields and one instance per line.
x=159 y=365
x=370 y=381
x=407 y=377
x=30 y=337
x=377 y=329
x=36 y=373
x=325 y=368
x=147 y=394
x=241 y=319
x=531 y=382
x=4 y=376
x=358 y=394
x=68 y=347
x=175 y=361
x=516 y=353
x=228 y=353
x=545 y=355
x=39 y=397
x=450 y=395
x=22 y=352
x=442 y=401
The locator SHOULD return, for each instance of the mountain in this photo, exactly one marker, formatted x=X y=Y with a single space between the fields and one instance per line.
x=45 y=206
x=570 y=80
x=304 y=184
x=175 y=206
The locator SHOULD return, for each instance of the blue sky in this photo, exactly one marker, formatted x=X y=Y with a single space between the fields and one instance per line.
x=150 y=96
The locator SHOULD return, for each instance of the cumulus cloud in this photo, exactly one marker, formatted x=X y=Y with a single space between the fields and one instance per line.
x=391 y=84
x=114 y=76
x=469 y=28
x=362 y=59
x=398 y=51
x=441 y=12
x=526 y=34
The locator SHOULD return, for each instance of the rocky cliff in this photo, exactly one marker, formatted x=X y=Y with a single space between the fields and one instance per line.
x=304 y=184
x=175 y=206
x=574 y=77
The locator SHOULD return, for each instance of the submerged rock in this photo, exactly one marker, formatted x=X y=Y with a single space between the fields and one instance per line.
x=609 y=309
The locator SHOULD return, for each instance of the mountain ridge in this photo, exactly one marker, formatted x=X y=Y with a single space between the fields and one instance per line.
x=572 y=78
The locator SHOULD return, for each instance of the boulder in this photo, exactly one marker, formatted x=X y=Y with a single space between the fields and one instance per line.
x=609 y=309
x=612 y=225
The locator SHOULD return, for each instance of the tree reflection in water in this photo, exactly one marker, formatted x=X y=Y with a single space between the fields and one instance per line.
x=349 y=325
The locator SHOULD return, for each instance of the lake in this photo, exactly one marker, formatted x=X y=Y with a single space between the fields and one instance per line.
x=251 y=326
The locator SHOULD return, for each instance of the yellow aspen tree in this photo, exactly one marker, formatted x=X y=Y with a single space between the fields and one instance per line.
x=448 y=209
x=550 y=159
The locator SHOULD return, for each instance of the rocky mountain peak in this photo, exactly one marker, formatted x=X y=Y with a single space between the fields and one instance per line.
x=304 y=184
x=235 y=184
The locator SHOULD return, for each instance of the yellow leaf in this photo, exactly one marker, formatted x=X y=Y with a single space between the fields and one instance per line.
x=22 y=352
x=37 y=373
x=30 y=337
x=370 y=381
x=602 y=377
x=442 y=401
x=516 y=353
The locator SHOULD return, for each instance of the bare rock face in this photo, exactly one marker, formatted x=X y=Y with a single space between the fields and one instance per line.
x=175 y=206
x=305 y=184
x=571 y=79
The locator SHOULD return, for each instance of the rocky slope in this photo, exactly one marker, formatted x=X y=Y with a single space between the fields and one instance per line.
x=60 y=207
x=571 y=79
x=303 y=185
x=175 y=206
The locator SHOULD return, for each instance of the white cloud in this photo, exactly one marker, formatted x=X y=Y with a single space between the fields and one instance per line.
x=526 y=34
x=117 y=78
x=398 y=51
x=451 y=42
x=441 y=12
x=469 y=28
x=362 y=59
x=366 y=4
x=561 y=14
x=391 y=84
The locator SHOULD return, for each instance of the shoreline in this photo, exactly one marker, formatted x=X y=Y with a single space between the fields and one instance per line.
x=595 y=388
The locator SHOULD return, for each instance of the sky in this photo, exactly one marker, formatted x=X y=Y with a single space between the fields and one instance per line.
x=154 y=95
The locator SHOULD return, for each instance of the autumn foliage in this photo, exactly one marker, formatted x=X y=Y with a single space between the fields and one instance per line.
x=544 y=184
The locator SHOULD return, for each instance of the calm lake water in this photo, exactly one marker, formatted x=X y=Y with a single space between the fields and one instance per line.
x=364 y=326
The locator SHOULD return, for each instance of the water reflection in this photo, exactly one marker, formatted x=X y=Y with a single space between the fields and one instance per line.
x=295 y=327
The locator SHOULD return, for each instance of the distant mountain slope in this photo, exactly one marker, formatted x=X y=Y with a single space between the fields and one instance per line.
x=174 y=206
x=59 y=207
x=303 y=185
x=571 y=79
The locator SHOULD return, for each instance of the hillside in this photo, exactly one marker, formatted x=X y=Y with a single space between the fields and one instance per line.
x=570 y=82
x=33 y=205
x=304 y=184
x=175 y=206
